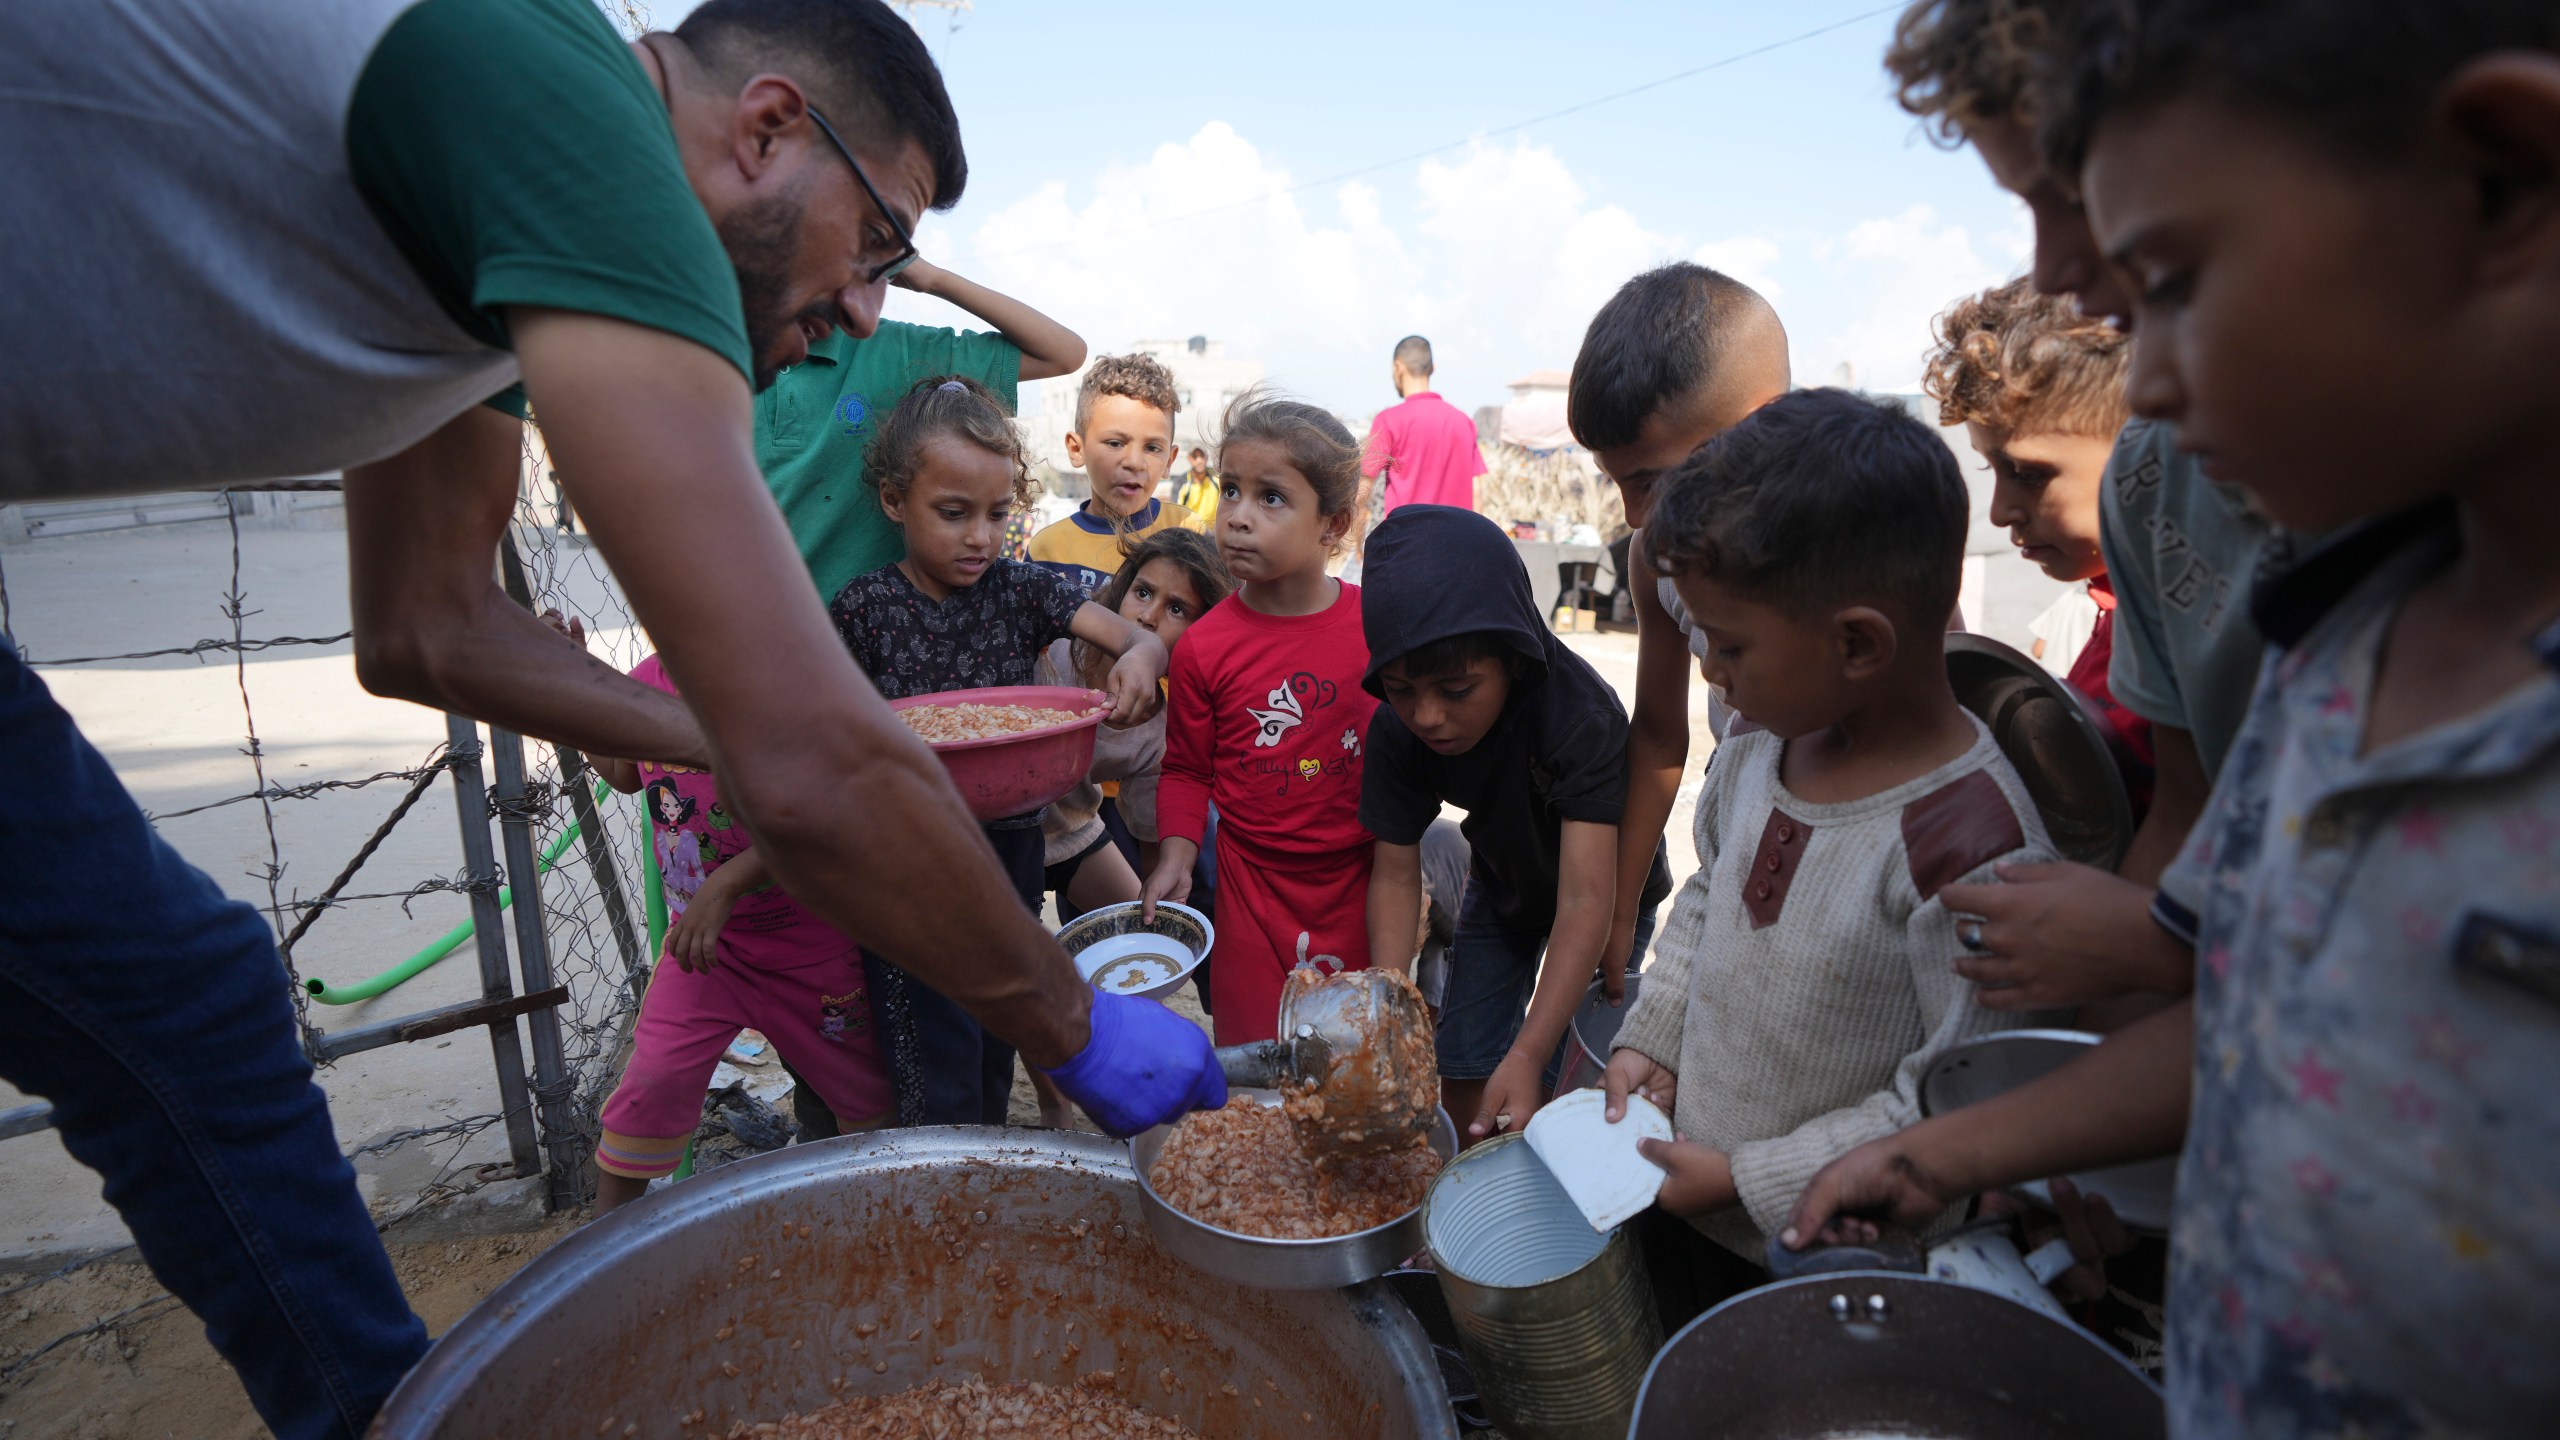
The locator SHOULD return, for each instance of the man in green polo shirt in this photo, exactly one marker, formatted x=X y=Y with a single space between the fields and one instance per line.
x=814 y=421
x=336 y=230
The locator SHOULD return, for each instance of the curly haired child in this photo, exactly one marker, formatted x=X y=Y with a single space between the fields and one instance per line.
x=1123 y=441
x=2039 y=388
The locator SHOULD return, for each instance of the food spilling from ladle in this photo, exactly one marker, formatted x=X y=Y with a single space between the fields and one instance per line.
x=1353 y=1062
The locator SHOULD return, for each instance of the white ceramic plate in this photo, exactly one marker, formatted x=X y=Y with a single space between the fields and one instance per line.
x=1596 y=1162
x=1134 y=964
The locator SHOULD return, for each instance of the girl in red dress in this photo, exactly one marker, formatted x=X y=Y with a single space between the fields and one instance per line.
x=1267 y=719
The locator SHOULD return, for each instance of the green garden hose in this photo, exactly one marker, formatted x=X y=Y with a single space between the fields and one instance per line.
x=451 y=940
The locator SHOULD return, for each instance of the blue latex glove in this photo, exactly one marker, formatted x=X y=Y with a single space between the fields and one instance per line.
x=1143 y=1067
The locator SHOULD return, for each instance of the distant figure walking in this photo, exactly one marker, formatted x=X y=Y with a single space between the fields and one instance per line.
x=1425 y=446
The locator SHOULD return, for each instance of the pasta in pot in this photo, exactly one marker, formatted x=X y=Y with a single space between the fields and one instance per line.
x=974 y=1410
x=944 y=724
x=1240 y=1169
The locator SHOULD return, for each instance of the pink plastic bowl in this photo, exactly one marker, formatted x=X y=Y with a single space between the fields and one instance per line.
x=1017 y=774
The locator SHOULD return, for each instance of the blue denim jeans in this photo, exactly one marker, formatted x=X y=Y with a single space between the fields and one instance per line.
x=153 y=1014
x=1493 y=970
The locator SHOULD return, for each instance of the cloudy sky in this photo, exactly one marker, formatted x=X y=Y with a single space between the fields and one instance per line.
x=1252 y=171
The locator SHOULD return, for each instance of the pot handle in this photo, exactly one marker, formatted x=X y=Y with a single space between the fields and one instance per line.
x=1895 y=1248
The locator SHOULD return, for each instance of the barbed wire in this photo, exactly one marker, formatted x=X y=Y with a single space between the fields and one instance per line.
x=202 y=648
x=306 y=790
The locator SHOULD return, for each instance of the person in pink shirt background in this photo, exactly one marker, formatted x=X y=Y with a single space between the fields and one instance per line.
x=1425 y=446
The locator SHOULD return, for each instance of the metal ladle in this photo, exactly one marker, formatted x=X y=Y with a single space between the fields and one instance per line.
x=1353 y=1061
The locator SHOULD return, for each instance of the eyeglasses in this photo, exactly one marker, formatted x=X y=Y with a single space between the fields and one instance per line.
x=906 y=255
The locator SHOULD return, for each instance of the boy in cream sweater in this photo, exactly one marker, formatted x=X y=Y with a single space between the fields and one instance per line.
x=1806 y=977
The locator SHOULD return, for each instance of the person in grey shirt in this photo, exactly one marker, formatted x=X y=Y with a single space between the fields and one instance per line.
x=350 y=230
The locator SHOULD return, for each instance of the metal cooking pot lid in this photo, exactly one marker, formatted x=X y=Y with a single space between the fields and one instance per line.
x=2060 y=743
x=1872 y=1354
x=1989 y=1065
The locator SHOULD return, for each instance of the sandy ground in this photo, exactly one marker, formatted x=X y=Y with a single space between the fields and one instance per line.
x=157 y=1377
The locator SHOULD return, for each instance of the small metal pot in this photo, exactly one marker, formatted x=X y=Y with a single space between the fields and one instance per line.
x=1594 y=1032
x=1279 y=1264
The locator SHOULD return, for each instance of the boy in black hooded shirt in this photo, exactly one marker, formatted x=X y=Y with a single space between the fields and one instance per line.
x=1487 y=711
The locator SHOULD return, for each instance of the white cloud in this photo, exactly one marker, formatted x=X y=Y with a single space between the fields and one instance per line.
x=1498 y=253
x=1910 y=267
x=1751 y=259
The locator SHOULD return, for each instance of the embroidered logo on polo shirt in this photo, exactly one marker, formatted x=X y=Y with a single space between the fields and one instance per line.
x=852 y=412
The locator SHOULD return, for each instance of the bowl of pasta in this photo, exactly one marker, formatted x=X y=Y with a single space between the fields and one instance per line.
x=1010 y=749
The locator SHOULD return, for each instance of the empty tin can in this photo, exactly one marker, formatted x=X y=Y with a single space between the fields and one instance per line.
x=1555 y=1319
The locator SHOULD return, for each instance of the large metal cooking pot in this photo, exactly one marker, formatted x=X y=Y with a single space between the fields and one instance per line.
x=876 y=1263
x=1868 y=1353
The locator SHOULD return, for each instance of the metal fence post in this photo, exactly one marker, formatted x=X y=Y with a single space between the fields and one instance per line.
x=597 y=847
x=592 y=841
x=560 y=1134
x=488 y=928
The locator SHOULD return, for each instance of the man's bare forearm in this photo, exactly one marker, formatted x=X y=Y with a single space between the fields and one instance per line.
x=927 y=893
x=433 y=627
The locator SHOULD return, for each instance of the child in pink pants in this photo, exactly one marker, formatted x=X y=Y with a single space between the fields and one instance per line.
x=740 y=953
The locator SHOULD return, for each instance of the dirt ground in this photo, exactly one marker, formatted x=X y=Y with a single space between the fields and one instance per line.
x=155 y=1376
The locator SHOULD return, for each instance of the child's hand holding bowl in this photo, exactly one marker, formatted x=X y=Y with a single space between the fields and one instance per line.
x=1134 y=682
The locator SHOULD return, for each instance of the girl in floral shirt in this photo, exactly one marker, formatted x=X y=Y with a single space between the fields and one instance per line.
x=955 y=614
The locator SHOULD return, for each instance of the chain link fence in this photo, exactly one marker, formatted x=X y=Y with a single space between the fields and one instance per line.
x=551 y=863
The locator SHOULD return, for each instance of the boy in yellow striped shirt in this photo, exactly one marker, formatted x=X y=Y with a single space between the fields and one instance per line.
x=1123 y=441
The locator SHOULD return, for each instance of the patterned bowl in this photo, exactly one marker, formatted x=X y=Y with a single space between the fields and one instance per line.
x=1119 y=953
